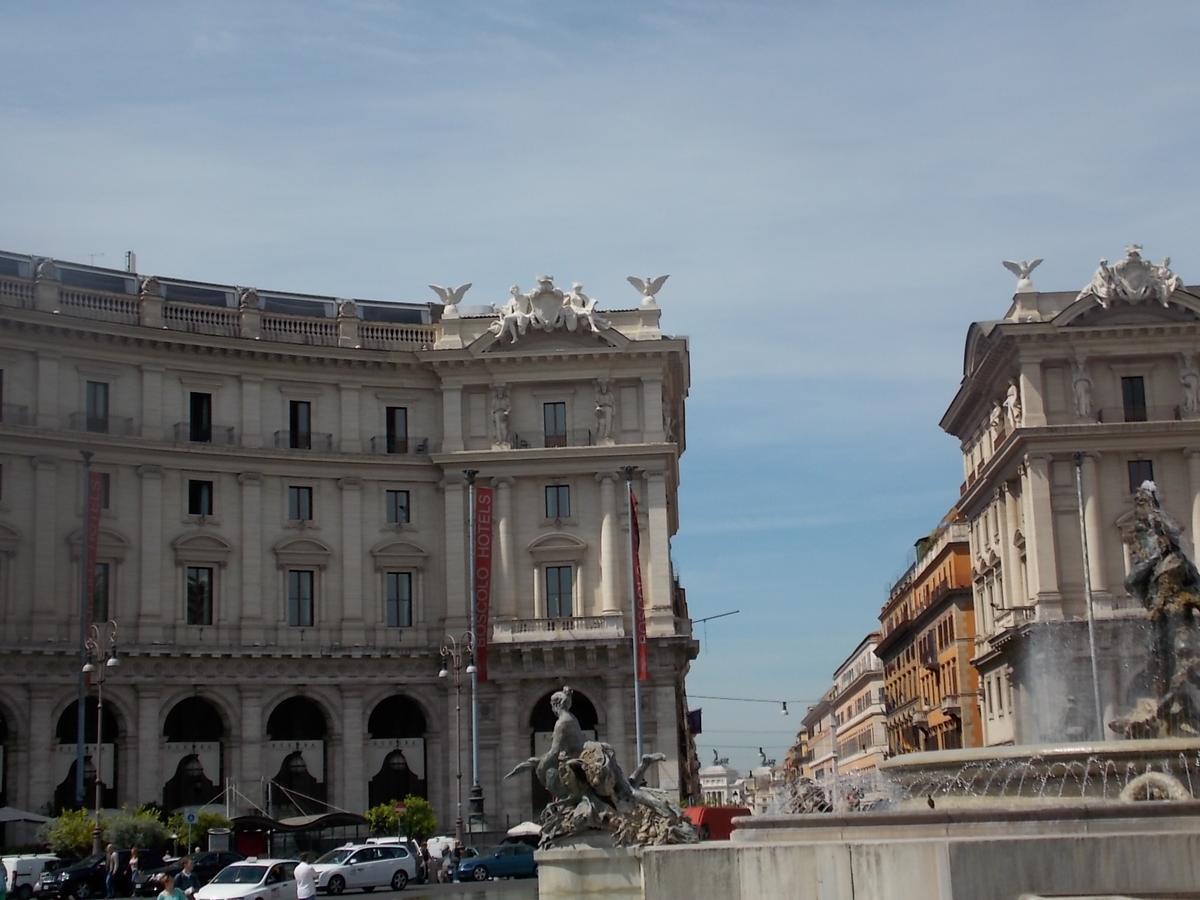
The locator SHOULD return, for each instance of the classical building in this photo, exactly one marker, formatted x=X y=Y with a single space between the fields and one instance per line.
x=283 y=535
x=1104 y=383
x=720 y=783
x=927 y=640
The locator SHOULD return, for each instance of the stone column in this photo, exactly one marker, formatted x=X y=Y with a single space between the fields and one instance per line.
x=652 y=410
x=666 y=735
x=252 y=586
x=150 y=580
x=1193 y=465
x=41 y=744
x=152 y=425
x=457 y=610
x=656 y=557
x=452 y=436
x=350 y=438
x=1041 y=560
x=1019 y=591
x=253 y=735
x=1093 y=525
x=351 y=562
x=354 y=733
x=46 y=610
x=252 y=435
x=506 y=600
x=46 y=411
x=611 y=594
x=1033 y=410
x=1005 y=541
x=149 y=758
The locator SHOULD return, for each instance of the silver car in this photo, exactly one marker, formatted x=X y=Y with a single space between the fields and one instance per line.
x=365 y=867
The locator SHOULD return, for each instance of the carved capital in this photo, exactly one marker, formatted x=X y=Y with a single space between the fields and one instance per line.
x=250 y=479
x=503 y=481
x=350 y=484
x=1191 y=452
x=150 y=471
x=45 y=463
x=606 y=476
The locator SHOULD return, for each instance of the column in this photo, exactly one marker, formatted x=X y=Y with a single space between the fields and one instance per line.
x=351 y=562
x=666 y=735
x=350 y=439
x=354 y=779
x=253 y=735
x=618 y=701
x=457 y=610
x=1007 y=584
x=652 y=410
x=150 y=580
x=252 y=435
x=45 y=567
x=46 y=412
x=514 y=796
x=611 y=595
x=1033 y=410
x=1019 y=590
x=656 y=557
x=252 y=586
x=1193 y=465
x=152 y=403
x=1040 y=556
x=1093 y=524
x=149 y=728
x=41 y=744
x=452 y=437
x=506 y=602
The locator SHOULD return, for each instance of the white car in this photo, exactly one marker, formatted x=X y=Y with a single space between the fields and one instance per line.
x=253 y=879
x=25 y=870
x=365 y=867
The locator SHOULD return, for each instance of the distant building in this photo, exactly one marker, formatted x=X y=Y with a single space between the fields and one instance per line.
x=721 y=784
x=927 y=629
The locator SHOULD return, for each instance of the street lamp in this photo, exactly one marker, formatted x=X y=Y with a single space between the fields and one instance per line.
x=100 y=644
x=454 y=656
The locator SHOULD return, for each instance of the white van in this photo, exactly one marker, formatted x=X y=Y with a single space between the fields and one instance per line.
x=25 y=871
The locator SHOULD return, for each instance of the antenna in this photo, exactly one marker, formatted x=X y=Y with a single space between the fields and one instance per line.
x=130 y=261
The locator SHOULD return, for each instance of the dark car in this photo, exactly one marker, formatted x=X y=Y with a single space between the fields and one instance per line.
x=505 y=861
x=85 y=879
x=148 y=882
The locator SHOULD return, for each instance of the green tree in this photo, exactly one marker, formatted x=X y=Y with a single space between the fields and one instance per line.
x=382 y=819
x=140 y=828
x=206 y=821
x=416 y=820
x=71 y=832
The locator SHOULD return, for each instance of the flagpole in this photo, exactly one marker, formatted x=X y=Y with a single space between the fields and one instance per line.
x=81 y=699
x=633 y=619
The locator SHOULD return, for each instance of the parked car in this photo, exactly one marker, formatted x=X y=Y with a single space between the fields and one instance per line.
x=148 y=882
x=253 y=879
x=505 y=861
x=24 y=872
x=413 y=847
x=86 y=878
x=365 y=867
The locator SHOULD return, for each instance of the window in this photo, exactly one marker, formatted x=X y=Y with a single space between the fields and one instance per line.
x=105 y=494
x=200 y=497
x=100 y=588
x=199 y=595
x=1133 y=397
x=300 y=507
x=558 y=501
x=397 y=507
x=554 y=417
x=200 y=417
x=399 y=600
x=300 y=425
x=300 y=598
x=1140 y=470
x=96 y=412
x=397 y=429
x=558 y=592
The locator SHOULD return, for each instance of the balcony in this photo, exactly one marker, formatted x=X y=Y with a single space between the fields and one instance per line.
x=304 y=440
x=520 y=631
x=10 y=414
x=578 y=437
x=951 y=704
x=401 y=446
x=1014 y=617
x=118 y=426
x=1111 y=414
x=217 y=435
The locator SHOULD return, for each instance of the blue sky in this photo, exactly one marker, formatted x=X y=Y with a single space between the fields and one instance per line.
x=830 y=185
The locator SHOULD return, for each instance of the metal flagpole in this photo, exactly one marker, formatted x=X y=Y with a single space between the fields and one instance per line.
x=1087 y=593
x=475 y=807
x=633 y=561
x=81 y=700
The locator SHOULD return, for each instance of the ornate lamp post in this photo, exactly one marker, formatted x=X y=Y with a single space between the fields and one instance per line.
x=101 y=643
x=458 y=658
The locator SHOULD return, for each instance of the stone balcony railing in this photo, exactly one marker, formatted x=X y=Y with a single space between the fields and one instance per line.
x=517 y=631
x=1014 y=617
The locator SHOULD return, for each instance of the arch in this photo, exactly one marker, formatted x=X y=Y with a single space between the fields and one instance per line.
x=194 y=731
x=976 y=345
x=220 y=704
x=66 y=731
x=110 y=544
x=201 y=546
x=557 y=545
x=396 y=738
x=397 y=716
x=194 y=719
x=298 y=718
x=297 y=732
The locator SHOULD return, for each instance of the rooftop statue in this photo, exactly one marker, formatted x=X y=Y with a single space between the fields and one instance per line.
x=450 y=297
x=592 y=795
x=648 y=286
x=1132 y=279
x=1021 y=270
x=546 y=308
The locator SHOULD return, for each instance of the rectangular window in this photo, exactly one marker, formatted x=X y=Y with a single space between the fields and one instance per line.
x=399 y=600
x=554 y=417
x=200 y=497
x=397 y=429
x=397 y=507
x=300 y=425
x=100 y=590
x=1133 y=397
x=300 y=507
x=105 y=490
x=200 y=417
x=300 y=598
x=558 y=501
x=558 y=592
x=1140 y=470
x=199 y=595
x=96 y=412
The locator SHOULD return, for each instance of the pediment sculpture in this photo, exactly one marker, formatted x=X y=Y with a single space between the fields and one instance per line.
x=547 y=308
x=1132 y=279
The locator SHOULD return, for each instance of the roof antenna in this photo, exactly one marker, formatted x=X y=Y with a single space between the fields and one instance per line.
x=130 y=261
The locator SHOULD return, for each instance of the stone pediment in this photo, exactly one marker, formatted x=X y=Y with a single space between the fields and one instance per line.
x=302 y=551
x=1182 y=307
x=201 y=546
x=110 y=544
x=398 y=555
x=557 y=545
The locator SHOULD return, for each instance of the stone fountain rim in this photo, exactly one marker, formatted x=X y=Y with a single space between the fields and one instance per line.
x=1140 y=749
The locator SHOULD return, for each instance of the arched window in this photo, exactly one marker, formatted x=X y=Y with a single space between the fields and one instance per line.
x=396 y=750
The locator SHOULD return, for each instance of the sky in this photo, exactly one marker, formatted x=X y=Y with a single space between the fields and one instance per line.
x=831 y=187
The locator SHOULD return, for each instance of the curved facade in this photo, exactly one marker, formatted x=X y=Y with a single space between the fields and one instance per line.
x=283 y=536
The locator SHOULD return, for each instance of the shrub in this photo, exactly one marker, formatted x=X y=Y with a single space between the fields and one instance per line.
x=416 y=820
x=141 y=828
x=205 y=822
x=71 y=832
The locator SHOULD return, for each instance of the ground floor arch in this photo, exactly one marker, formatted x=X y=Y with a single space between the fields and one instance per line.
x=297 y=764
x=192 y=753
x=541 y=730
x=65 y=760
x=395 y=751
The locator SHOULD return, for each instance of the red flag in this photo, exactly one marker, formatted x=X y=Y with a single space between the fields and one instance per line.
x=639 y=606
x=482 y=561
x=90 y=537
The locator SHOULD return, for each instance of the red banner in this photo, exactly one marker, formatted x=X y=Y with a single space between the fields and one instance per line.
x=484 y=497
x=91 y=533
x=639 y=606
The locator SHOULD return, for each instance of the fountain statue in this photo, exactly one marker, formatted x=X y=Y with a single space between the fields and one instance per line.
x=594 y=802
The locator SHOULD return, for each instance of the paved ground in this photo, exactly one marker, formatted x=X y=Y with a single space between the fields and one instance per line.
x=490 y=888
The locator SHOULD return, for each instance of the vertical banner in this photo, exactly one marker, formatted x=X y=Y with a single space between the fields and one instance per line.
x=639 y=605
x=484 y=497
x=91 y=534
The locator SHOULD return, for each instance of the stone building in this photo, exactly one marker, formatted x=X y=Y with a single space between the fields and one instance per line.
x=927 y=640
x=1104 y=379
x=283 y=536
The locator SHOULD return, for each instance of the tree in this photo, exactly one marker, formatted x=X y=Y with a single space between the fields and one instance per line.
x=382 y=819
x=71 y=832
x=206 y=821
x=140 y=828
x=411 y=817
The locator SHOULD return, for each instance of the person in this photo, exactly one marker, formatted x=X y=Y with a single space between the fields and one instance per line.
x=448 y=865
x=133 y=866
x=3 y=882
x=187 y=881
x=169 y=890
x=306 y=880
x=112 y=864
x=425 y=859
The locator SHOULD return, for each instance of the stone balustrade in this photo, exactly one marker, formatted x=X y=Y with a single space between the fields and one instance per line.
x=515 y=631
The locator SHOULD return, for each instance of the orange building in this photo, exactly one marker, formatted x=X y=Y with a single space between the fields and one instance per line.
x=927 y=629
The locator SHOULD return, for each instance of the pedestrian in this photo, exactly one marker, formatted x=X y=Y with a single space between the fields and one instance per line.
x=133 y=867
x=111 y=863
x=425 y=859
x=306 y=880
x=447 y=865
x=186 y=881
x=3 y=882
x=169 y=890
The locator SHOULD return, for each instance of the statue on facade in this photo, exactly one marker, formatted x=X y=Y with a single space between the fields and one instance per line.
x=593 y=797
x=648 y=287
x=450 y=298
x=247 y=299
x=1167 y=584
x=1081 y=387
x=501 y=407
x=513 y=316
x=1012 y=406
x=1132 y=279
x=546 y=308
x=1189 y=379
x=995 y=420
x=605 y=410
x=1022 y=270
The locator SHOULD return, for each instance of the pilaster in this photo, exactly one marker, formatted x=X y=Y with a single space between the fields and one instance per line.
x=42 y=699
x=666 y=739
x=149 y=756
x=514 y=739
x=252 y=436
x=354 y=779
x=352 y=618
x=150 y=578
x=652 y=409
x=1007 y=583
x=152 y=403
x=656 y=554
x=350 y=437
x=452 y=436
x=253 y=730
x=1193 y=467
x=1093 y=525
x=610 y=556
x=456 y=559
x=46 y=611
x=252 y=587
x=47 y=390
x=506 y=595
x=1033 y=409
x=1041 y=559
x=618 y=702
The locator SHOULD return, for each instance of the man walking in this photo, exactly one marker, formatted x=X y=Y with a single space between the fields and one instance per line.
x=306 y=880
x=112 y=864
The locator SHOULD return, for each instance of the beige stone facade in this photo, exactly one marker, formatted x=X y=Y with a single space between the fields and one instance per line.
x=283 y=535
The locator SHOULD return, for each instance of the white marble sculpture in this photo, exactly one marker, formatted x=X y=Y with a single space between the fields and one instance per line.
x=647 y=287
x=1132 y=279
x=1012 y=406
x=1081 y=387
x=546 y=308
x=501 y=406
x=1189 y=379
x=605 y=408
x=450 y=298
x=1021 y=270
x=995 y=419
